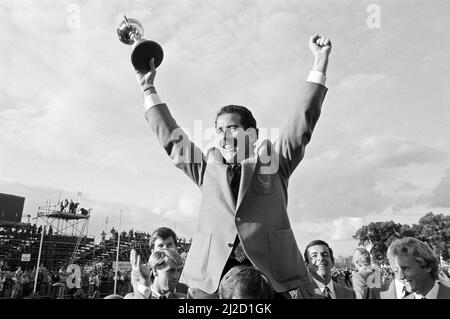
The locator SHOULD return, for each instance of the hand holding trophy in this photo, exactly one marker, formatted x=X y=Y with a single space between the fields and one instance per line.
x=130 y=32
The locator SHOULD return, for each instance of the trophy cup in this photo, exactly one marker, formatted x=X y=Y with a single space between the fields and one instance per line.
x=130 y=32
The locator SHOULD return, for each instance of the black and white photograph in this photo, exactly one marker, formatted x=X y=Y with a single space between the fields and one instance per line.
x=259 y=150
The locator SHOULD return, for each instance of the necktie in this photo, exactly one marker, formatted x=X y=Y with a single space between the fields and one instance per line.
x=405 y=292
x=327 y=293
x=239 y=253
x=238 y=250
x=235 y=180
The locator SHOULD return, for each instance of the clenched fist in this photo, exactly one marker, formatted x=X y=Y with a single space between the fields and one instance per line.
x=320 y=47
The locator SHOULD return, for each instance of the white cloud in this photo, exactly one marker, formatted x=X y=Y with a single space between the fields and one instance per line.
x=441 y=194
x=358 y=82
x=338 y=232
x=341 y=228
x=71 y=116
x=366 y=174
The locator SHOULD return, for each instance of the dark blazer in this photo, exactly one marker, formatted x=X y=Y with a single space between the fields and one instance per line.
x=343 y=292
x=340 y=291
x=443 y=292
x=260 y=216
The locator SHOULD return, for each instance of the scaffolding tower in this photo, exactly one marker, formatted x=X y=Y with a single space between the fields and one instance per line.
x=69 y=227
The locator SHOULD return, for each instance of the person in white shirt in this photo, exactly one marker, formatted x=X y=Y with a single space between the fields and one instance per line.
x=320 y=260
x=416 y=266
x=164 y=266
x=400 y=289
x=161 y=238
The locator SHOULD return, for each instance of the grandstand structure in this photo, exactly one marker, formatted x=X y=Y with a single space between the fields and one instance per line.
x=72 y=226
x=107 y=249
x=63 y=234
x=57 y=250
x=66 y=233
x=65 y=241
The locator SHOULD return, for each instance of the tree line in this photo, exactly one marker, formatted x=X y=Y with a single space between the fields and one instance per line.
x=434 y=229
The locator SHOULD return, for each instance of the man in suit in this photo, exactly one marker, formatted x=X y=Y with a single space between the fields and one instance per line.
x=243 y=216
x=165 y=266
x=161 y=238
x=394 y=289
x=164 y=237
x=415 y=264
x=320 y=260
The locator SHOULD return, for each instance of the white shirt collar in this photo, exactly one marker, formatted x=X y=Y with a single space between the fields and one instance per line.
x=143 y=290
x=149 y=291
x=157 y=294
x=432 y=294
x=322 y=287
x=399 y=288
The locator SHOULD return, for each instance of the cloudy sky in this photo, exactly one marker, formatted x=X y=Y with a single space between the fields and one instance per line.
x=71 y=114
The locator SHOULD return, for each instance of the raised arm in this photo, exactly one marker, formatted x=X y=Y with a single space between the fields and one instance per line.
x=185 y=155
x=297 y=132
x=321 y=49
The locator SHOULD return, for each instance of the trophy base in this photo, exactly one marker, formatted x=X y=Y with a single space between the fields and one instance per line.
x=142 y=53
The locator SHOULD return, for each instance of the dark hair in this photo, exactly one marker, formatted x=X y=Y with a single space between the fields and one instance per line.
x=163 y=233
x=247 y=119
x=317 y=242
x=245 y=282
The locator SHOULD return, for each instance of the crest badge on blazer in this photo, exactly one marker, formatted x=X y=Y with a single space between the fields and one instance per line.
x=265 y=180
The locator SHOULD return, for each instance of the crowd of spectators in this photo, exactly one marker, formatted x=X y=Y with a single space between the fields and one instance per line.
x=54 y=284
x=23 y=232
x=343 y=275
x=97 y=280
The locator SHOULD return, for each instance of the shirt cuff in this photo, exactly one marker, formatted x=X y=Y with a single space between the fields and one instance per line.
x=151 y=100
x=143 y=290
x=317 y=77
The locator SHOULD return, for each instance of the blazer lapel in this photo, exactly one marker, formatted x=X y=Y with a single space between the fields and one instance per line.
x=340 y=294
x=443 y=292
x=222 y=172
x=219 y=176
x=316 y=290
x=248 y=168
